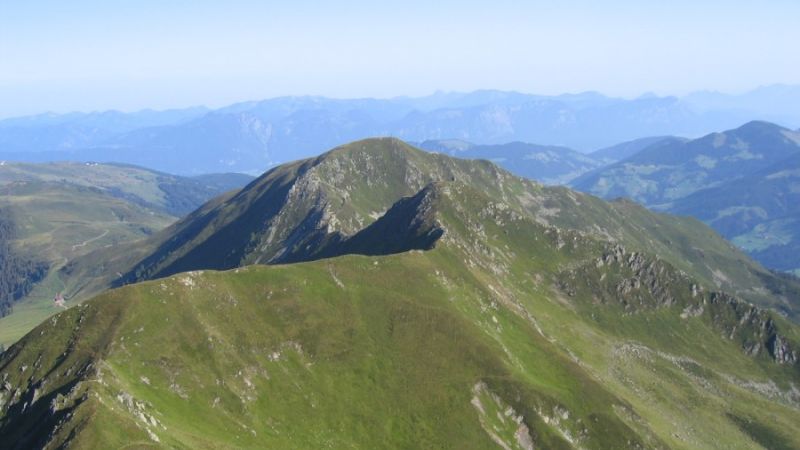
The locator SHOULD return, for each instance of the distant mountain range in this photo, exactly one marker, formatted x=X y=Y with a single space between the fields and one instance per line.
x=252 y=136
x=380 y=296
x=743 y=182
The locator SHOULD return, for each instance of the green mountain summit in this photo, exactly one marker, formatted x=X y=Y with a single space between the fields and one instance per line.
x=412 y=300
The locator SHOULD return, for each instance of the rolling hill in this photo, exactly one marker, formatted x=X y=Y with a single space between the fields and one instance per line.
x=670 y=170
x=166 y=193
x=430 y=302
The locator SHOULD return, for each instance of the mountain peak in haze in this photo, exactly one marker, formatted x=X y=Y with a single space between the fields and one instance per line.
x=740 y=181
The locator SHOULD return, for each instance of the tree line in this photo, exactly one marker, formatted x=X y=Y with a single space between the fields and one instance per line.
x=18 y=273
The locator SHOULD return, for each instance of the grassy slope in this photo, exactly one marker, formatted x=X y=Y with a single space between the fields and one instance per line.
x=169 y=194
x=399 y=351
x=300 y=362
x=58 y=222
x=64 y=210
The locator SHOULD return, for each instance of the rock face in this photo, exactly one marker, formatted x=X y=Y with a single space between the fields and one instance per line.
x=639 y=282
x=754 y=328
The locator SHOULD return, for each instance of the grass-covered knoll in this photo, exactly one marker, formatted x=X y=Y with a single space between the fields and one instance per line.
x=507 y=334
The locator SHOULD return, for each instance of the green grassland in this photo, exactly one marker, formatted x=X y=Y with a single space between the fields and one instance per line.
x=58 y=222
x=509 y=333
x=132 y=180
x=168 y=194
x=64 y=210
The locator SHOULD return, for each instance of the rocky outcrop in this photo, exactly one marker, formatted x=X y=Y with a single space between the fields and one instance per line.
x=753 y=327
x=631 y=279
x=638 y=282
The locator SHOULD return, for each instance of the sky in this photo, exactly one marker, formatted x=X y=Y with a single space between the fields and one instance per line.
x=134 y=54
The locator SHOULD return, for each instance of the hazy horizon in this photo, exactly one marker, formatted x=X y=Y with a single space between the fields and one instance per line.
x=93 y=56
x=391 y=97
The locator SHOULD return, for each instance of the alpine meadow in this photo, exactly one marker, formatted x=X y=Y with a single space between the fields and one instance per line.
x=252 y=226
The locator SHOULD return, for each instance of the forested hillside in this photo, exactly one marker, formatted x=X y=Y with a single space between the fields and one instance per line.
x=18 y=273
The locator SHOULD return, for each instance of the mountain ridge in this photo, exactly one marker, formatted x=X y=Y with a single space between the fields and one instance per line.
x=253 y=136
x=499 y=339
x=296 y=207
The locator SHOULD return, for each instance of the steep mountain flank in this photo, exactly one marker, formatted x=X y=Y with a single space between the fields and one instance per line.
x=292 y=205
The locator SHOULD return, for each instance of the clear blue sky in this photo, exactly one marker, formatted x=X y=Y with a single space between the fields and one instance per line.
x=131 y=54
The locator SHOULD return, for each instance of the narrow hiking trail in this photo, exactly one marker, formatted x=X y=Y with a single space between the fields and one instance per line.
x=84 y=243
